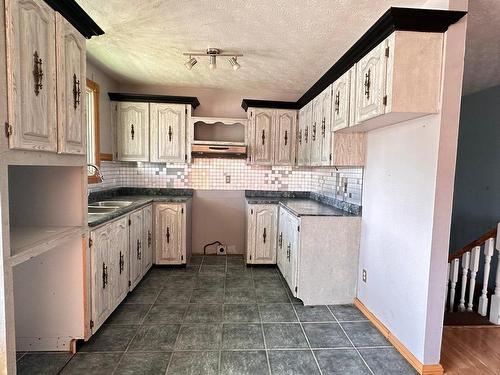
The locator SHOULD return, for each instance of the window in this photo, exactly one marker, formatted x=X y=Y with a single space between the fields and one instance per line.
x=92 y=105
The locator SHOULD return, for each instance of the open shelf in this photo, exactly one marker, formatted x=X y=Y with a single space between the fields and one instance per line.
x=27 y=242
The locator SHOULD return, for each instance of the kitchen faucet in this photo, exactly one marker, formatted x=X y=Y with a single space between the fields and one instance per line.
x=98 y=171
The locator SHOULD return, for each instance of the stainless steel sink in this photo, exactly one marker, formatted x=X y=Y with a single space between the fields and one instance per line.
x=101 y=210
x=113 y=204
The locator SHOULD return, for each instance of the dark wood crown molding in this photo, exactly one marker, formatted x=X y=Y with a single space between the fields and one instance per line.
x=395 y=19
x=76 y=16
x=149 y=98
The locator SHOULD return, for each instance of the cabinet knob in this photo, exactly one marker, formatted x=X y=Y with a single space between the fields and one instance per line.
x=37 y=72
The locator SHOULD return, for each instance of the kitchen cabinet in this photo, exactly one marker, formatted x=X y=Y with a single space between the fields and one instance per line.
x=285 y=140
x=262 y=222
x=132 y=131
x=31 y=78
x=261 y=141
x=147 y=241
x=171 y=239
x=118 y=263
x=325 y=102
x=168 y=132
x=71 y=84
x=303 y=144
x=315 y=139
x=343 y=95
x=135 y=248
x=318 y=256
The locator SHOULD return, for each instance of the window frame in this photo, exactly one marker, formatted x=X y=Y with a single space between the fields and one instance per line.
x=92 y=179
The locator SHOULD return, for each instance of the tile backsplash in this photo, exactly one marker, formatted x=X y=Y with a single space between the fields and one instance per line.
x=234 y=174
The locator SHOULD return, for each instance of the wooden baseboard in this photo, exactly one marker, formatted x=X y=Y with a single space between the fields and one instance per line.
x=436 y=369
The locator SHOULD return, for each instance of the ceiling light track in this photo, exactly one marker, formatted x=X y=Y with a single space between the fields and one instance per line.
x=212 y=54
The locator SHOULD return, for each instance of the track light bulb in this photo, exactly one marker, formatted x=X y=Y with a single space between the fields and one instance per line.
x=213 y=62
x=234 y=63
x=190 y=63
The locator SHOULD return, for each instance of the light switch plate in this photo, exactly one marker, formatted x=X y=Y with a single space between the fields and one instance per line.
x=228 y=179
x=365 y=274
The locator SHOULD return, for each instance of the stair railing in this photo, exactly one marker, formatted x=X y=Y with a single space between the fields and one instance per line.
x=465 y=264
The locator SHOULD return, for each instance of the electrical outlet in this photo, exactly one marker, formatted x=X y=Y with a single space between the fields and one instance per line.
x=365 y=274
x=228 y=179
x=221 y=250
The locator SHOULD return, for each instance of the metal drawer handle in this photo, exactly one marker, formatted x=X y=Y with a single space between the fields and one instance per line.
x=37 y=72
x=263 y=136
x=132 y=132
x=264 y=235
x=122 y=263
x=170 y=133
x=367 y=84
x=286 y=137
x=104 y=275
x=76 y=91
x=168 y=235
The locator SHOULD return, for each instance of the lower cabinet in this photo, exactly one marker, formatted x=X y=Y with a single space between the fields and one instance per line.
x=172 y=242
x=121 y=252
x=262 y=223
x=288 y=246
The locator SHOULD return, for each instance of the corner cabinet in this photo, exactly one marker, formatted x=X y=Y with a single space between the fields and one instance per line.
x=44 y=107
x=272 y=136
x=262 y=223
x=132 y=131
x=172 y=241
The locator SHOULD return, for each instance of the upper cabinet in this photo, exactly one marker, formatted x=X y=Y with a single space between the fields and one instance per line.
x=325 y=102
x=342 y=91
x=132 y=131
x=70 y=47
x=45 y=109
x=168 y=132
x=272 y=136
x=303 y=144
x=31 y=62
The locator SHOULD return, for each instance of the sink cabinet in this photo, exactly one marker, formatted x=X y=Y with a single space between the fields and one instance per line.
x=262 y=222
x=147 y=238
x=135 y=247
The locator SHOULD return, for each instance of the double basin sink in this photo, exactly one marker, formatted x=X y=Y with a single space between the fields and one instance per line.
x=98 y=209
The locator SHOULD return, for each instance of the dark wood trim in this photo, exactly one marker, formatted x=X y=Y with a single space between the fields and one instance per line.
x=492 y=233
x=150 y=98
x=76 y=16
x=246 y=103
x=106 y=157
x=97 y=127
x=395 y=19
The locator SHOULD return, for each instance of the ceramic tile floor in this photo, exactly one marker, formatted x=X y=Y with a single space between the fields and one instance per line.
x=218 y=316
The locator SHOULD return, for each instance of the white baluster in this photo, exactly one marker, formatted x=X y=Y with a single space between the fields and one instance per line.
x=489 y=247
x=473 y=267
x=447 y=284
x=455 y=263
x=495 y=299
x=465 y=271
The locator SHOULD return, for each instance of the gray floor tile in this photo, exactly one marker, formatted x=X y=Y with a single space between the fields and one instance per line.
x=235 y=260
x=195 y=259
x=203 y=313
x=277 y=312
x=244 y=363
x=241 y=271
x=239 y=282
x=240 y=296
x=242 y=336
x=267 y=283
x=209 y=282
x=176 y=283
x=199 y=337
x=296 y=362
x=154 y=338
x=284 y=335
x=165 y=314
x=44 y=363
x=143 y=364
x=272 y=295
x=207 y=296
x=240 y=313
x=92 y=363
x=19 y=355
x=364 y=334
x=314 y=314
x=174 y=296
x=341 y=362
x=128 y=314
x=152 y=282
x=142 y=296
x=189 y=270
x=326 y=335
x=386 y=361
x=212 y=270
x=194 y=363
x=110 y=338
x=347 y=313
x=215 y=260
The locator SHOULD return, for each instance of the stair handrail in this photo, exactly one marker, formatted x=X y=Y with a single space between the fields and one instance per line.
x=492 y=233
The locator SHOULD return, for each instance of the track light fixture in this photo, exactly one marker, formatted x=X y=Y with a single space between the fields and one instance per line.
x=212 y=54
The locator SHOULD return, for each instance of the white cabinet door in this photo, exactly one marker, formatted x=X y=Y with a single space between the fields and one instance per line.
x=135 y=248
x=265 y=218
x=170 y=234
x=71 y=83
x=132 y=129
x=342 y=100
x=118 y=260
x=370 y=84
x=100 y=289
x=286 y=130
x=303 y=144
x=147 y=232
x=325 y=129
x=292 y=252
x=261 y=142
x=315 y=131
x=281 y=256
x=168 y=133
x=31 y=76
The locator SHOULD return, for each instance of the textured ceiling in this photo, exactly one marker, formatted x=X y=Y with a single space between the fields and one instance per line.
x=288 y=44
x=482 y=49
